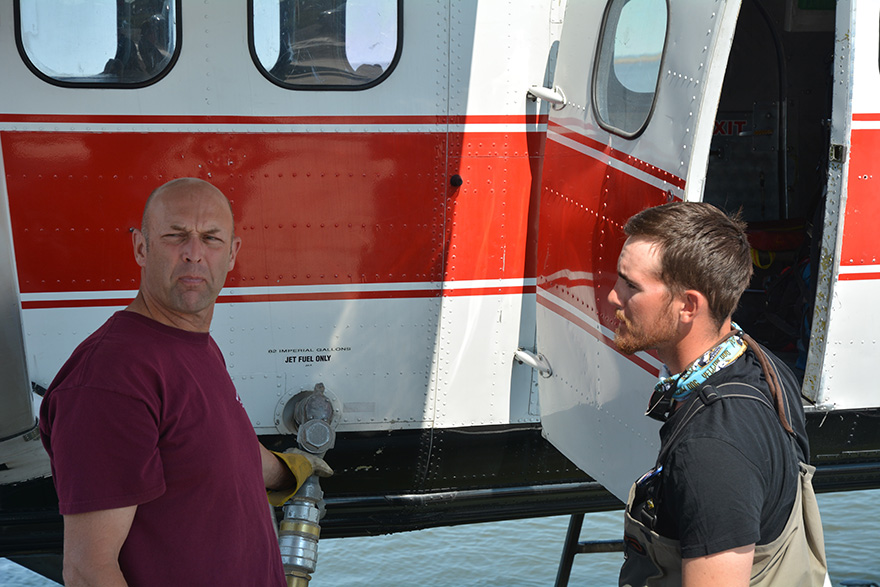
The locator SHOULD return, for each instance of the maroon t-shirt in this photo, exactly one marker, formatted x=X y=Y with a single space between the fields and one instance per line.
x=146 y=414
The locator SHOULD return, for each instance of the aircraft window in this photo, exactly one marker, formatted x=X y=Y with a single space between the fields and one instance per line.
x=628 y=66
x=325 y=44
x=99 y=43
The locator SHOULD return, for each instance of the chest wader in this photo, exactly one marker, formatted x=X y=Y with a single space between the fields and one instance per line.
x=795 y=559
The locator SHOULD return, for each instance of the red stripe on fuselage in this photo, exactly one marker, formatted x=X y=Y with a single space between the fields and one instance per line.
x=616 y=154
x=584 y=205
x=860 y=245
x=858 y=276
x=585 y=201
x=311 y=208
x=298 y=297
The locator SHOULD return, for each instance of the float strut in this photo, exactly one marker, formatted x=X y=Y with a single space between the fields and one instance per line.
x=572 y=547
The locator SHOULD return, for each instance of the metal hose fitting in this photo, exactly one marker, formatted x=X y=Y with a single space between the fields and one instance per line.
x=312 y=414
x=299 y=533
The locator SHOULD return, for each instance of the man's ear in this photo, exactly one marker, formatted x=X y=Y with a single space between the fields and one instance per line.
x=236 y=245
x=139 y=244
x=694 y=305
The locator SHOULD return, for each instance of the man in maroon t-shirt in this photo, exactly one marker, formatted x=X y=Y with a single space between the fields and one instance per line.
x=160 y=477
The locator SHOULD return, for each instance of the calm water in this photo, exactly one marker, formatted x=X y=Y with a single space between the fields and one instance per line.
x=526 y=552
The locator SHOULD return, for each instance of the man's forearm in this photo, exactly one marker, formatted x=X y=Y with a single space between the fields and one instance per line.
x=92 y=542
x=93 y=575
x=731 y=568
x=276 y=475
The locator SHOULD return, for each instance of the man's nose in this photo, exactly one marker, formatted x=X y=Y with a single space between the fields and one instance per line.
x=613 y=298
x=193 y=250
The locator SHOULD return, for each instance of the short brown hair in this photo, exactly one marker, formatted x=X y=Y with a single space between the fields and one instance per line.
x=701 y=248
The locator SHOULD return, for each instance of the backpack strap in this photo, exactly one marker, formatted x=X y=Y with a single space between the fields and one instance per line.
x=772 y=377
x=707 y=396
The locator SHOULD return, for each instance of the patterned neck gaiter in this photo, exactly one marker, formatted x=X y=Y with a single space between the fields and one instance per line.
x=680 y=386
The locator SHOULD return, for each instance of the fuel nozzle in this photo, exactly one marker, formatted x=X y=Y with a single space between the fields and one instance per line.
x=312 y=414
x=299 y=533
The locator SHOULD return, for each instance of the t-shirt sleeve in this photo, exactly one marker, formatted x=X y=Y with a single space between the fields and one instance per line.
x=717 y=499
x=105 y=450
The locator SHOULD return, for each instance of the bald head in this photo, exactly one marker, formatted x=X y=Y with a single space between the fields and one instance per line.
x=185 y=249
x=180 y=188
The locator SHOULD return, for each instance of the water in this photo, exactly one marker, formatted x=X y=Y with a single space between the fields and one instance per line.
x=526 y=552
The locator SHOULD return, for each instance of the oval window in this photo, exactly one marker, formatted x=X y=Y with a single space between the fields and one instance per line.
x=113 y=43
x=628 y=66
x=325 y=44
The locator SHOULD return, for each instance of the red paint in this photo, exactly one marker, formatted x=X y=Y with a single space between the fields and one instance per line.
x=329 y=208
x=91 y=303
x=584 y=204
x=634 y=162
x=858 y=276
x=860 y=244
x=312 y=209
x=310 y=296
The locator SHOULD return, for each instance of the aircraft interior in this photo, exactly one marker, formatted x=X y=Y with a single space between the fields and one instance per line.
x=769 y=159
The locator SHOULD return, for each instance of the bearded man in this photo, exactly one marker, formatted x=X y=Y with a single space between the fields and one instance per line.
x=730 y=500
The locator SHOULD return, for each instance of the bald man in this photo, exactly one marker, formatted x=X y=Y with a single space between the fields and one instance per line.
x=160 y=477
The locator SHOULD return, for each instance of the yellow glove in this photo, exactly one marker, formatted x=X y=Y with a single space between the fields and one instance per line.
x=302 y=465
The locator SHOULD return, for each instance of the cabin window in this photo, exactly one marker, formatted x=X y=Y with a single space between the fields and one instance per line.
x=628 y=65
x=97 y=43
x=325 y=44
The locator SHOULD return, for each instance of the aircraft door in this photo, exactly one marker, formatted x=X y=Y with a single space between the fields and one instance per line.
x=639 y=82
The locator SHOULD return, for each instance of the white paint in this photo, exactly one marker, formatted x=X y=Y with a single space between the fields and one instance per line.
x=436 y=361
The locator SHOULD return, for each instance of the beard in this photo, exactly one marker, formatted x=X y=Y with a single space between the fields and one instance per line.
x=630 y=338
